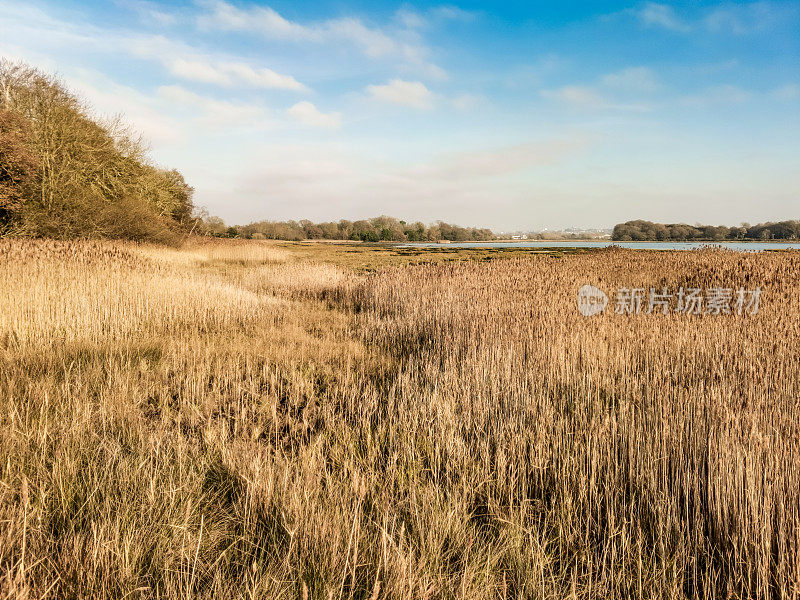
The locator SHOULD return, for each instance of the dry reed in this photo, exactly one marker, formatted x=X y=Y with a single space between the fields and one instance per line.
x=230 y=421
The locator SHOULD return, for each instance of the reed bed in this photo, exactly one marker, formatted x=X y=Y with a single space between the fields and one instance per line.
x=99 y=292
x=652 y=455
x=200 y=251
x=234 y=422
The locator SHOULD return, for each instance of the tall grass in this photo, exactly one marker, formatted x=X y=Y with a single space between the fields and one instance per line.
x=227 y=420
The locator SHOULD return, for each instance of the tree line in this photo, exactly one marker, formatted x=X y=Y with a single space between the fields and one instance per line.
x=649 y=231
x=65 y=173
x=378 y=229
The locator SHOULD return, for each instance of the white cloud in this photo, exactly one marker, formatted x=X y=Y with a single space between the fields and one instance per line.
x=739 y=18
x=411 y=19
x=611 y=91
x=197 y=70
x=425 y=69
x=34 y=29
x=786 y=92
x=576 y=95
x=305 y=112
x=229 y=74
x=661 y=15
x=453 y=13
x=744 y=18
x=373 y=42
x=718 y=95
x=326 y=182
x=497 y=161
x=632 y=79
x=227 y=17
x=589 y=98
x=616 y=91
x=211 y=111
x=190 y=64
x=141 y=111
x=148 y=12
x=408 y=93
x=467 y=102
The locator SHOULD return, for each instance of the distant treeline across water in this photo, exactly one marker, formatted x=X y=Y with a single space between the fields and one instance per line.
x=369 y=230
x=649 y=231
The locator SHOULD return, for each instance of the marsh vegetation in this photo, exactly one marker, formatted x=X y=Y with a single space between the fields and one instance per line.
x=254 y=420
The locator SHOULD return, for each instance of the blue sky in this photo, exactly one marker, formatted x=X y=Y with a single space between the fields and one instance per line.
x=528 y=115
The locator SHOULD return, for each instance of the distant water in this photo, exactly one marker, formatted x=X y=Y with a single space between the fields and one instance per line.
x=738 y=246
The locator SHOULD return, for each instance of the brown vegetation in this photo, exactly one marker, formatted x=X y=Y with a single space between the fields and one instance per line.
x=18 y=165
x=229 y=420
x=64 y=173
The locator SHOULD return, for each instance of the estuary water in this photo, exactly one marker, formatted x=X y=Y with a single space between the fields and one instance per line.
x=738 y=246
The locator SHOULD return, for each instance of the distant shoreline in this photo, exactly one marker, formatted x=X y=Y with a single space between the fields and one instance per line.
x=612 y=242
x=584 y=245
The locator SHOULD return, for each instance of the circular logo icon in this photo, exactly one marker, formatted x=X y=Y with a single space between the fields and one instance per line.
x=591 y=301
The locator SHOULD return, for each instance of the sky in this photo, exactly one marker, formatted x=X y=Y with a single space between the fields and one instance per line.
x=520 y=116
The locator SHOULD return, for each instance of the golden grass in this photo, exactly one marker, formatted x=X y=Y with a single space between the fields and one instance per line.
x=102 y=293
x=249 y=421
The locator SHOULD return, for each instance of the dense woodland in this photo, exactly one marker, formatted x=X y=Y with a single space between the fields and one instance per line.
x=65 y=173
x=648 y=231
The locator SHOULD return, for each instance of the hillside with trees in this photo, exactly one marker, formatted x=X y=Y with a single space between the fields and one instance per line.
x=65 y=173
x=681 y=232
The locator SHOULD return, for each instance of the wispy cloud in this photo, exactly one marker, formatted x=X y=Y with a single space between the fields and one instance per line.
x=744 y=18
x=633 y=79
x=228 y=74
x=410 y=18
x=407 y=93
x=661 y=15
x=374 y=42
x=149 y=12
x=415 y=19
x=476 y=164
x=719 y=95
x=576 y=95
x=629 y=89
x=212 y=112
x=737 y=18
x=466 y=102
x=308 y=114
x=637 y=89
x=448 y=183
x=188 y=63
x=226 y=17
x=143 y=111
x=786 y=92
x=180 y=59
